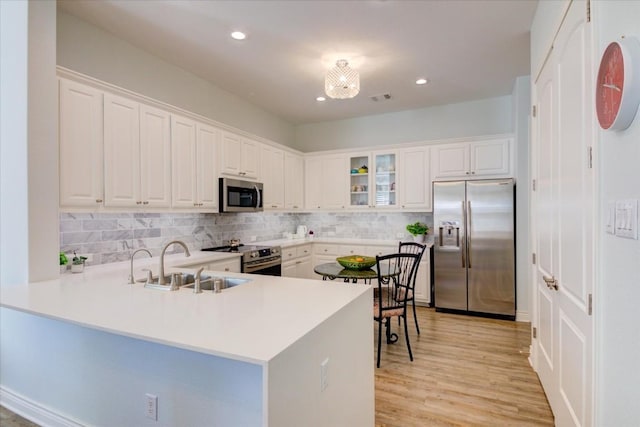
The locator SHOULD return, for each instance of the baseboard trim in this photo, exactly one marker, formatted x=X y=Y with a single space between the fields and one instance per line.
x=33 y=411
x=522 y=316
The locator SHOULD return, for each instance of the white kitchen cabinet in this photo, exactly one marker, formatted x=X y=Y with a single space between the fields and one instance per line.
x=473 y=159
x=296 y=262
x=293 y=181
x=415 y=179
x=272 y=177
x=81 y=145
x=423 y=280
x=239 y=156
x=359 y=180
x=372 y=180
x=193 y=148
x=228 y=265
x=137 y=154
x=326 y=182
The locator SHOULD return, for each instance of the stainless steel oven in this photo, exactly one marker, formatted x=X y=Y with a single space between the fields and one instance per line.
x=265 y=260
x=239 y=196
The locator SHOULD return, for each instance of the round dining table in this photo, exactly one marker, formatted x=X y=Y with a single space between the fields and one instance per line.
x=333 y=270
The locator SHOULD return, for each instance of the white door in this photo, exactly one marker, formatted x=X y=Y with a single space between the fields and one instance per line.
x=183 y=162
x=206 y=171
x=121 y=152
x=81 y=145
x=563 y=223
x=155 y=157
x=415 y=179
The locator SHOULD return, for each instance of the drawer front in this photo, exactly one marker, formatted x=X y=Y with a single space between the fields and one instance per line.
x=346 y=250
x=325 y=249
x=228 y=265
x=288 y=253
x=302 y=251
x=379 y=250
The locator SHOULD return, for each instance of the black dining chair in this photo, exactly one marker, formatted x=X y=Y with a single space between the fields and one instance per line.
x=418 y=249
x=396 y=275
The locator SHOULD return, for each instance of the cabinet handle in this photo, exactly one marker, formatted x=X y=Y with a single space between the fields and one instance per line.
x=145 y=203
x=226 y=269
x=473 y=172
x=138 y=202
x=98 y=200
x=467 y=172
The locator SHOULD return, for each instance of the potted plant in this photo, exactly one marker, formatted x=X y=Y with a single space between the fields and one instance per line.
x=418 y=230
x=77 y=263
x=64 y=261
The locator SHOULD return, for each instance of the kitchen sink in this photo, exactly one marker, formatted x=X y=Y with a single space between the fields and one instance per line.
x=207 y=285
x=183 y=279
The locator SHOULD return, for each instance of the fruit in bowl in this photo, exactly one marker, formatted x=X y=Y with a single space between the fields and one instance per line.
x=356 y=262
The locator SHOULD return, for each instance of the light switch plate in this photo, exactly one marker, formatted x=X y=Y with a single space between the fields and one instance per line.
x=610 y=226
x=627 y=219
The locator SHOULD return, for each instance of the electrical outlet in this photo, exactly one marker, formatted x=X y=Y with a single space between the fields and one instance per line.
x=151 y=406
x=399 y=235
x=324 y=374
x=252 y=238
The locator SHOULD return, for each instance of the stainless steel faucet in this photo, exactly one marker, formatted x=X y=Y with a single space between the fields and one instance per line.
x=161 y=280
x=132 y=279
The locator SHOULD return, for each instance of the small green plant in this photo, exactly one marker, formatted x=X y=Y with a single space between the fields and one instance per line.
x=63 y=259
x=417 y=229
x=77 y=260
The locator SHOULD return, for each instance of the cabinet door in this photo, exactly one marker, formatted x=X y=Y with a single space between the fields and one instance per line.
x=289 y=269
x=183 y=156
x=423 y=281
x=121 y=152
x=155 y=157
x=249 y=158
x=415 y=188
x=206 y=171
x=81 y=145
x=304 y=269
x=293 y=181
x=272 y=177
x=313 y=182
x=231 y=154
x=230 y=265
x=334 y=181
x=490 y=157
x=359 y=182
x=451 y=160
x=385 y=180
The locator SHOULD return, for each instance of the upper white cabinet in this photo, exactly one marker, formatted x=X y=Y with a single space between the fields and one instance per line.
x=472 y=159
x=272 y=176
x=137 y=154
x=194 y=148
x=373 y=180
x=326 y=182
x=293 y=181
x=239 y=156
x=415 y=179
x=81 y=145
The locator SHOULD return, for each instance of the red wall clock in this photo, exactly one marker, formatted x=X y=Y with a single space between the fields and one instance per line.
x=618 y=84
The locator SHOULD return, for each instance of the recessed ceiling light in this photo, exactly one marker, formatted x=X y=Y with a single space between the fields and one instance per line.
x=321 y=98
x=238 y=35
x=422 y=81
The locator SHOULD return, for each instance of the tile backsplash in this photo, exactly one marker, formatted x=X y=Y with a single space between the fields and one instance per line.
x=111 y=237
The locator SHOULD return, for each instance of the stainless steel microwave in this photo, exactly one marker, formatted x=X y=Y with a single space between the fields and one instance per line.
x=240 y=196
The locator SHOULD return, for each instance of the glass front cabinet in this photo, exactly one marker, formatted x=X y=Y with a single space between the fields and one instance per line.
x=372 y=181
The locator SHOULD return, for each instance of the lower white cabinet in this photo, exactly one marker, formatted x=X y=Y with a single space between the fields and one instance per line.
x=423 y=280
x=296 y=262
x=227 y=265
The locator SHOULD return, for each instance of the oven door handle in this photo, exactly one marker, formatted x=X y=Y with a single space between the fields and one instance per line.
x=248 y=268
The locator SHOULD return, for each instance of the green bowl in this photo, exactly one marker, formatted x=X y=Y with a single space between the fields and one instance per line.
x=352 y=262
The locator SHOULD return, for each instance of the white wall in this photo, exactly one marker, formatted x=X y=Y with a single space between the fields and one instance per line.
x=29 y=149
x=100 y=379
x=521 y=101
x=90 y=50
x=482 y=117
x=618 y=285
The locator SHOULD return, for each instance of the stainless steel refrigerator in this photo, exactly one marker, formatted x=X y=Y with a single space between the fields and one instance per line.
x=474 y=250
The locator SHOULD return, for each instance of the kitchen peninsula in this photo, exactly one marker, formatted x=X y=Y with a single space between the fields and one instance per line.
x=274 y=351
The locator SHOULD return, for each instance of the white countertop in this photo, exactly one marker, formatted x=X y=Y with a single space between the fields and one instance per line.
x=252 y=322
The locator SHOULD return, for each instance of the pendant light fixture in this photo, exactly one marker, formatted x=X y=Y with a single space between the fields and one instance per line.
x=342 y=82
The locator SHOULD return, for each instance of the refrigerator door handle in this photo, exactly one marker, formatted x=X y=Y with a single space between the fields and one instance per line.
x=441 y=235
x=464 y=249
x=469 y=233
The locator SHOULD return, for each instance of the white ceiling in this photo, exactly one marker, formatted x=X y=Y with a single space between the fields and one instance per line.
x=468 y=49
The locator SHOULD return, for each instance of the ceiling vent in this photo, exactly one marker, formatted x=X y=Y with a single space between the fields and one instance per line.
x=382 y=97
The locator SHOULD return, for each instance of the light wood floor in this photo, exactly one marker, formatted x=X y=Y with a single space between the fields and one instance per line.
x=467 y=371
